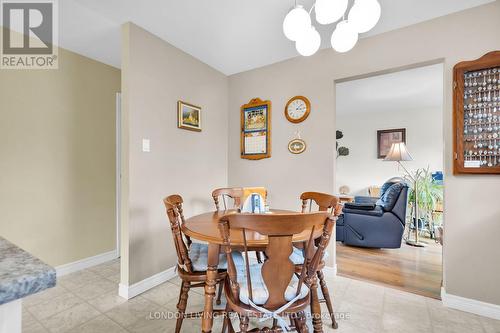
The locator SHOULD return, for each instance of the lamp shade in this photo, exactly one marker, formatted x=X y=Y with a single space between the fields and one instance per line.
x=308 y=44
x=329 y=11
x=296 y=23
x=344 y=37
x=364 y=15
x=398 y=152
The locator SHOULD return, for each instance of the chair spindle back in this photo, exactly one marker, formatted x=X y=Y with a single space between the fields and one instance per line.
x=325 y=202
x=173 y=204
x=278 y=269
x=234 y=193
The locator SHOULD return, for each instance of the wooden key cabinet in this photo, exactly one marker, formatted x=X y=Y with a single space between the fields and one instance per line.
x=476 y=115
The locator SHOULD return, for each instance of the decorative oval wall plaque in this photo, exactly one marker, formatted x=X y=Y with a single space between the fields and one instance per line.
x=297 y=146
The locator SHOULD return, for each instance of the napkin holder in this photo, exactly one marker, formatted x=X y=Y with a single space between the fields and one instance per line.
x=254 y=204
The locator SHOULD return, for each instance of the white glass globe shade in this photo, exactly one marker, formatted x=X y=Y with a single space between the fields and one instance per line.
x=344 y=37
x=296 y=23
x=364 y=15
x=329 y=11
x=308 y=44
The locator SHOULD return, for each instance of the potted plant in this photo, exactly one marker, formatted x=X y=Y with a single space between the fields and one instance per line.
x=429 y=194
x=341 y=151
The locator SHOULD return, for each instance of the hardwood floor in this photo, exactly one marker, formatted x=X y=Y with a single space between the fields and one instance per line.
x=412 y=269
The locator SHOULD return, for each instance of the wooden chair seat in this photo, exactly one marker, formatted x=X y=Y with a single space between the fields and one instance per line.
x=198 y=253
x=198 y=276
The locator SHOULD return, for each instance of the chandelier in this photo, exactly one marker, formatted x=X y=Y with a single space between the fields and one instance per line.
x=362 y=17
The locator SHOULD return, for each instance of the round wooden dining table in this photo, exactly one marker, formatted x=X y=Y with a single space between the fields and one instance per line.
x=204 y=227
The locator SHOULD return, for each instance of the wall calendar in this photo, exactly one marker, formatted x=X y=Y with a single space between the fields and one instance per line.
x=256 y=129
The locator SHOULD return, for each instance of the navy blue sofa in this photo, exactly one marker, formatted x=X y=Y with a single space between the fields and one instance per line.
x=375 y=222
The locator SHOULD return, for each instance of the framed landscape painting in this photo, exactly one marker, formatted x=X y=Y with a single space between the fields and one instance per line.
x=385 y=139
x=189 y=116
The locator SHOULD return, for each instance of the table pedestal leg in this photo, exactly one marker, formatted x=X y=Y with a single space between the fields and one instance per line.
x=315 y=307
x=210 y=287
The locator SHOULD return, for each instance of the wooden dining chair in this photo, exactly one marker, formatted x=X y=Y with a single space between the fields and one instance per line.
x=191 y=260
x=236 y=194
x=227 y=194
x=272 y=289
x=325 y=203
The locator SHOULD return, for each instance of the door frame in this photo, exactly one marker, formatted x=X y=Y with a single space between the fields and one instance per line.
x=118 y=178
x=384 y=72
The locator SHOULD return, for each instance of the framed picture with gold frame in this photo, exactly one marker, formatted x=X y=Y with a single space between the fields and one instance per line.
x=256 y=129
x=297 y=146
x=188 y=116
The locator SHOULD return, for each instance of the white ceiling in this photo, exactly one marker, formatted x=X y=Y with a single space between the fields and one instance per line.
x=229 y=35
x=405 y=91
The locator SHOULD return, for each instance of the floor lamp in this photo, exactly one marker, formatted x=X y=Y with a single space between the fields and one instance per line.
x=398 y=153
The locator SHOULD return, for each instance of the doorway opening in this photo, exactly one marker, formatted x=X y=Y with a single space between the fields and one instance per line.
x=374 y=114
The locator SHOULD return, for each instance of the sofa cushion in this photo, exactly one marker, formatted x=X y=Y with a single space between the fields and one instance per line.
x=362 y=206
x=340 y=220
x=260 y=293
x=390 y=196
x=377 y=211
x=365 y=199
x=389 y=183
x=385 y=187
x=198 y=253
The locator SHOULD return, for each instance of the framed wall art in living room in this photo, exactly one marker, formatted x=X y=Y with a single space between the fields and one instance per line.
x=385 y=139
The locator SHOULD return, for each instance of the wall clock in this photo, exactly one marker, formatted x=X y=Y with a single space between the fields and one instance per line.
x=297 y=109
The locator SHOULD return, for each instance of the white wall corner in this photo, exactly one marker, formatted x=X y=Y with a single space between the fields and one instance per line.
x=129 y=292
x=11 y=314
x=86 y=263
x=470 y=305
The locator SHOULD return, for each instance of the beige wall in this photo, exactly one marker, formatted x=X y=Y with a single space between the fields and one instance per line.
x=362 y=168
x=472 y=211
x=155 y=76
x=57 y=164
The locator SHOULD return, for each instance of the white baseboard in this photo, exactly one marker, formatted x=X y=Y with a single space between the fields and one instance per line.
x=470 y=305
x=128 y=292
x=330 y=271
x=86 y=263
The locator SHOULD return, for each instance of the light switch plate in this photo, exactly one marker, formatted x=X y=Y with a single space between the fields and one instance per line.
x=146 y=146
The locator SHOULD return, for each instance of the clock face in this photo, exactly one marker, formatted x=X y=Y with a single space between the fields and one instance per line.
x=297 y=109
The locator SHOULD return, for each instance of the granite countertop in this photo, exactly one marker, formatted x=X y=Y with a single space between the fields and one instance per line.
x=21 y=274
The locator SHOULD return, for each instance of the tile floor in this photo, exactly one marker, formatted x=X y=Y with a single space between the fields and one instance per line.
x=87 y=301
